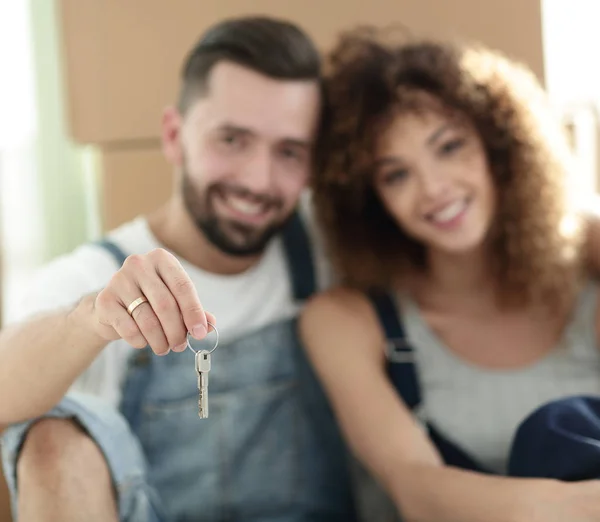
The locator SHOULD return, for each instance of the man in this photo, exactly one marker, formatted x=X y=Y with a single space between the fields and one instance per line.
x=228 y=246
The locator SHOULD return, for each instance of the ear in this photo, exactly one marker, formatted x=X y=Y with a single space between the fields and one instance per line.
x=172 y=146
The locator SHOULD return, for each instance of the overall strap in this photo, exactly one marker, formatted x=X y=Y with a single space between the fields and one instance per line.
x=114 y=250
x=402 y=370
x=299 y=258
x=399 y=353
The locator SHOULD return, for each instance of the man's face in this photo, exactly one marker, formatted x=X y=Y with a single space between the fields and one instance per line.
x=244 y=150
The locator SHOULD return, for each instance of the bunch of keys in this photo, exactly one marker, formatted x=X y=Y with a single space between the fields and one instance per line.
x=203 y=368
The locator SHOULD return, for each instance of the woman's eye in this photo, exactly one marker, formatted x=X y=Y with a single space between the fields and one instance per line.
x=395 y=175
x=451 y=146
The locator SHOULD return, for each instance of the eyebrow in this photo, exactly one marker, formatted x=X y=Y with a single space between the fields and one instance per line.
x=435 y=136
x=294 y=142
x=230 y=127
x=387 y=160
x=439 y=133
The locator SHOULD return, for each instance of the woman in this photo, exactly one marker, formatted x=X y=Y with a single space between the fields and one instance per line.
x=442 y=192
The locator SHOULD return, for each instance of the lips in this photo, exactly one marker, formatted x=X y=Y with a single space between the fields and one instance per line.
x=449 y=212
x=245 y=207
x=243 y=210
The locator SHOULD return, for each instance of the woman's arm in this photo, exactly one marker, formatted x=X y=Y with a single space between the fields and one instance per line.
x=344 y=342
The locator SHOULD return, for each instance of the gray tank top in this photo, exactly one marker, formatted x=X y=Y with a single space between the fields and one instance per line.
x=480 y=409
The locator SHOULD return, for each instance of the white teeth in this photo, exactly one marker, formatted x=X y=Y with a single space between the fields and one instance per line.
x=244 y=206
x=449 y=212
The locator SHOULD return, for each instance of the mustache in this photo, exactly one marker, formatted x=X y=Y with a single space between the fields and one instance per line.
x=267 y=200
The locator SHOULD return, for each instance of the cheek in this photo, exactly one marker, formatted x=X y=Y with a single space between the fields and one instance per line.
x=291 y=182
x=476 y=166
x=490 y=197
x=487 y=180
x=207 y=166
x=482 y=180
x=397 y=201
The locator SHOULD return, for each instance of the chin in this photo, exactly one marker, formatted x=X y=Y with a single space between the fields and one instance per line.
x=458 y=246
x=458 y=250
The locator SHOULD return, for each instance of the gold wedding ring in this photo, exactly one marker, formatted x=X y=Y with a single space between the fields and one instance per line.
x=135 y=304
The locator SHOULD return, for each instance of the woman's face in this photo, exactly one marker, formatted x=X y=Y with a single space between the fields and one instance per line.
x=432 y=175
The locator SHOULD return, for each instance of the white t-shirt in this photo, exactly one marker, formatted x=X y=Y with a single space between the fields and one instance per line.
x=241 y=303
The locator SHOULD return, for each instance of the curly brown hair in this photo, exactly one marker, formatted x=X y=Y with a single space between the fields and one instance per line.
x=369 y=80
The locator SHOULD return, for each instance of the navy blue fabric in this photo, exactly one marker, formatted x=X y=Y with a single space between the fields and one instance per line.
x=402 y=374
x=559 y=440
x=299 y=258
x=114 y=250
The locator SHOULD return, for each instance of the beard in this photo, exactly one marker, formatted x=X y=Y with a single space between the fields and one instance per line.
x=229 y=236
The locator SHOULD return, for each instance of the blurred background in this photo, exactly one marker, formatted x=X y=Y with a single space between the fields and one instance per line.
x=84 y=82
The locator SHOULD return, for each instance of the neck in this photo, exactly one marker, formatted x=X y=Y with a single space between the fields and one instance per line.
x=465 y=277
x=175 y=229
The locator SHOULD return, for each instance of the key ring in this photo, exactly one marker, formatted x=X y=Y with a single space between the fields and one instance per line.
x=187 y=340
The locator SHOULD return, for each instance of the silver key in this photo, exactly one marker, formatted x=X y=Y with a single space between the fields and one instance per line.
x=203 y=367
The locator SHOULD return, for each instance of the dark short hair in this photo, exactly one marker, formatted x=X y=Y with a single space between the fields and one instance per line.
x=270 y=46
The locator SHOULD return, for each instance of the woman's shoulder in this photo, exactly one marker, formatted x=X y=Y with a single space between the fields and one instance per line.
x=340 y=315
x=341 y=323
x=338 y=303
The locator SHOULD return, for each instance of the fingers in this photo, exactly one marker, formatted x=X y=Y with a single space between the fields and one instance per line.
x=158 y=317
x=182 y=289
x=173 y=307
x=163 y=306
x=114 y=318
x=144 y=316
x=210 y=318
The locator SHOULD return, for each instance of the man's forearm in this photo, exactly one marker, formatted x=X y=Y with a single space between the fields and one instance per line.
x=41 y=358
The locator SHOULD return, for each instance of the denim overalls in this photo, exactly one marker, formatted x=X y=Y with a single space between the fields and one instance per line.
x=560 y=439
x=270 y=450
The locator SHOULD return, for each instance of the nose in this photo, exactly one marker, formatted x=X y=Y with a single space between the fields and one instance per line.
x=257 y=172
x=433 y=183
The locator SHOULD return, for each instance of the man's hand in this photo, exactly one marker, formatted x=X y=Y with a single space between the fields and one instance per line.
x=173 y=308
